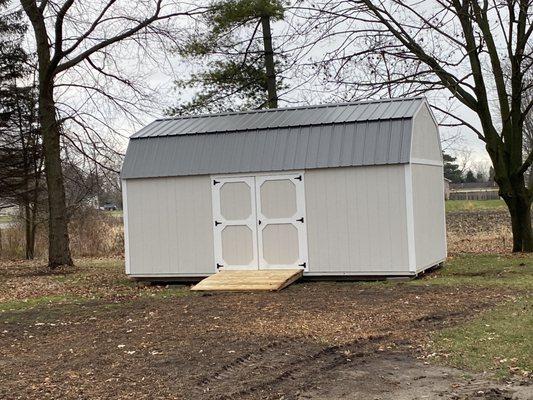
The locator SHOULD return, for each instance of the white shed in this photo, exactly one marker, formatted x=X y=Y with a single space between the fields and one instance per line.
x=337 y=190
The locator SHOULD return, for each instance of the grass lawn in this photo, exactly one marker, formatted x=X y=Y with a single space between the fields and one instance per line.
x=474 y=205
x=499 y=340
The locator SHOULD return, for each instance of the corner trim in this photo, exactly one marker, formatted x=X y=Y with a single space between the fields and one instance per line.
x=126 y=231
x=410 y=218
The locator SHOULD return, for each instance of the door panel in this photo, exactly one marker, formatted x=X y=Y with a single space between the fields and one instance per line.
x=281 y=237
x=280 y=244
x=235 y=223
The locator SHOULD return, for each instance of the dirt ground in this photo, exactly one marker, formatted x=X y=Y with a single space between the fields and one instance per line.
x=92 y=334
x=310 y=341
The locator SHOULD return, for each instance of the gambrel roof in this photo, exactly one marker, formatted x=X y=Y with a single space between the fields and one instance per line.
x=337 y=135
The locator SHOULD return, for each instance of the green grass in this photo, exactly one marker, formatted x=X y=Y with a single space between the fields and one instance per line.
x=510 y=271
x=500 y=340
x=19 y=305
x=474 y=205
x=6 y=218
x=116 y=213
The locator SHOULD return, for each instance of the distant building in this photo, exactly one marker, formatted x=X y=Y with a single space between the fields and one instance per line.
x=474 y=191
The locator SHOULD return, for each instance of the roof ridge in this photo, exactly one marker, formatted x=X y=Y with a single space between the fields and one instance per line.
x=308 y=107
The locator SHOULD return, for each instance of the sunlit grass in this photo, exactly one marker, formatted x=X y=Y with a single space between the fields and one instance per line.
x=474 y=205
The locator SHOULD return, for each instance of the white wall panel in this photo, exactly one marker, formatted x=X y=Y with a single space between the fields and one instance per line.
x=429 y=219
x=425 y=140
x=357 y=220
x=169 y=226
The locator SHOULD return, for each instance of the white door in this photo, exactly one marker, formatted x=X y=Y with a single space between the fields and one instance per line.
x=281 y=221
x=234 y=223
x=259 y=222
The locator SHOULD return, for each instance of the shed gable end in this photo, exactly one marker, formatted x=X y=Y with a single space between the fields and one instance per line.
x=425 y=138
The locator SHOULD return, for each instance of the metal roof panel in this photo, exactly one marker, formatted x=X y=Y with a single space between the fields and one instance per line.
x=368 y=133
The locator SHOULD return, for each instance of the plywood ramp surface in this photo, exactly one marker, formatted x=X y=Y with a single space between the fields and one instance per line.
x=253 y=280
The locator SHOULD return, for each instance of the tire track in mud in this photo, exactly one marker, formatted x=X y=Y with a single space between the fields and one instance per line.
x=265 y=371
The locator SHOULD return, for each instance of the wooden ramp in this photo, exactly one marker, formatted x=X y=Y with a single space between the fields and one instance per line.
x=252 y=280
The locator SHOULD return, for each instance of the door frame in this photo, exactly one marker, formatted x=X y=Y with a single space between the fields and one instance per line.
x=239 y=177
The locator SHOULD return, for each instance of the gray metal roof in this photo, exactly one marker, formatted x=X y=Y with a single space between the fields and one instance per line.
x=366 y=133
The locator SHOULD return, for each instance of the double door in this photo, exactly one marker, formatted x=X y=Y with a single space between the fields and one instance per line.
x=259 y=221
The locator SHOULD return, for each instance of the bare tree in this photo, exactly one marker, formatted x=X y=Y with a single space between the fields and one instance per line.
x=398 y=48
x=73 y=37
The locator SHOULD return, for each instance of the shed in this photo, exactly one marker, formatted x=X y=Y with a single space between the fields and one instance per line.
x=337 y=190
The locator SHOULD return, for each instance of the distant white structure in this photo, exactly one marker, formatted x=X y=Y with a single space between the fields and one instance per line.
x=337 y=190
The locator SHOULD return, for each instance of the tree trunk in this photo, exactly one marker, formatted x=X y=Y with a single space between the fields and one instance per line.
x=519 y=204
x=269 y=63
x=58 y=240
x=28 y=226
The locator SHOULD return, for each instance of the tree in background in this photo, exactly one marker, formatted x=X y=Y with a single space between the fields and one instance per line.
x=240 y=64
x=398 y=47
x=20 y=142
x=451 y=169
x=470 y=177
x=78 y=48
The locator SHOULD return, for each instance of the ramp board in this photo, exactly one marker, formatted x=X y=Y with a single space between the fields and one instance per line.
x=249 y=280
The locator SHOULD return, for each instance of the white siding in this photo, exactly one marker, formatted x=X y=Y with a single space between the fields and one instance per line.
x=356 y=220
x=425 y=140
x=170 y=226
x=429 y=219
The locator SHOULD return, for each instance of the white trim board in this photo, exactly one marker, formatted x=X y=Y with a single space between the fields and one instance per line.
x=424 y=161
x=126 y=225
x=410 y=218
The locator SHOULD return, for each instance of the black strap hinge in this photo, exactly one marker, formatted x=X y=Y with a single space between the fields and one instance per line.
x=218 y=223
x=215 y=182
x=299 y=178
x=219 y=266
x=302 y=264
x=300 y=220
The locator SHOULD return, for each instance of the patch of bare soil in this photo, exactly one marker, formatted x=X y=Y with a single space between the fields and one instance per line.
x=484 y=231
x=395 y=375
x=313 y=340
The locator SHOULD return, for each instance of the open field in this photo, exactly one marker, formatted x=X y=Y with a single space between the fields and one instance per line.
x=91 y=333
x=482 y=231
x=474 y=205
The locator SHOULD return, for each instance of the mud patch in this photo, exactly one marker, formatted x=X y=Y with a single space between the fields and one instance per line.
x=401 y=377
